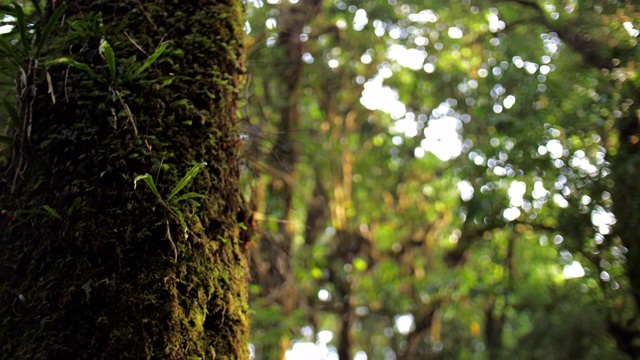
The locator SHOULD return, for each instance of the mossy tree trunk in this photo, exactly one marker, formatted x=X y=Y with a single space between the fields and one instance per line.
x=104 y=270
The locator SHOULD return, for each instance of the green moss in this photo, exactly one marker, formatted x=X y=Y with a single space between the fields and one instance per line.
x=104 y=282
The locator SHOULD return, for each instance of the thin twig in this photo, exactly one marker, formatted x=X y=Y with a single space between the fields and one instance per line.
x=135 y=44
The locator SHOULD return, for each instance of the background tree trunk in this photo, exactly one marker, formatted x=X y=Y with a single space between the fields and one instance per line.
x=108 y=271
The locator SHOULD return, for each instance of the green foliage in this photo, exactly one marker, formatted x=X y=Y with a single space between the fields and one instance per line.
x=28 y=43
x=52 y=211
x=514 y=82
x=148 y=179
x=188 y=177
x=172 y=203
x=14 y=119
x=130 y=74
x=75 y=64
x=20 y=50
x=150 y=60
x=44 y=32
x=107 y=53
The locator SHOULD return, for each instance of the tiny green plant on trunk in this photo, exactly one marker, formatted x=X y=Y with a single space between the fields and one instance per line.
x=116 y=80
x=105 y=50
x=44 y=210
x=172 y=201
x=20 y=49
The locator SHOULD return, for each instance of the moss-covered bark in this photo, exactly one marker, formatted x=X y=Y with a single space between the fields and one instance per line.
x=114 y=276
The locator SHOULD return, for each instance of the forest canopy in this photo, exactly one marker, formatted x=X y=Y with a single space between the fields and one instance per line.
x=443 y=179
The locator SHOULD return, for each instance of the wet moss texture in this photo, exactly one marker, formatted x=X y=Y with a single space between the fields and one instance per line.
x=90 y=267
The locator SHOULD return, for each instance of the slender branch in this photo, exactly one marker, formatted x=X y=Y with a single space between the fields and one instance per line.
x=533 y=5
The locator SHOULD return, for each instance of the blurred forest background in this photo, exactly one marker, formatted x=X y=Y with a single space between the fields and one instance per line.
x=444 y=179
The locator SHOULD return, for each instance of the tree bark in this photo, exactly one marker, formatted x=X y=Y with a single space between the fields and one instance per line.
x=91 y=266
